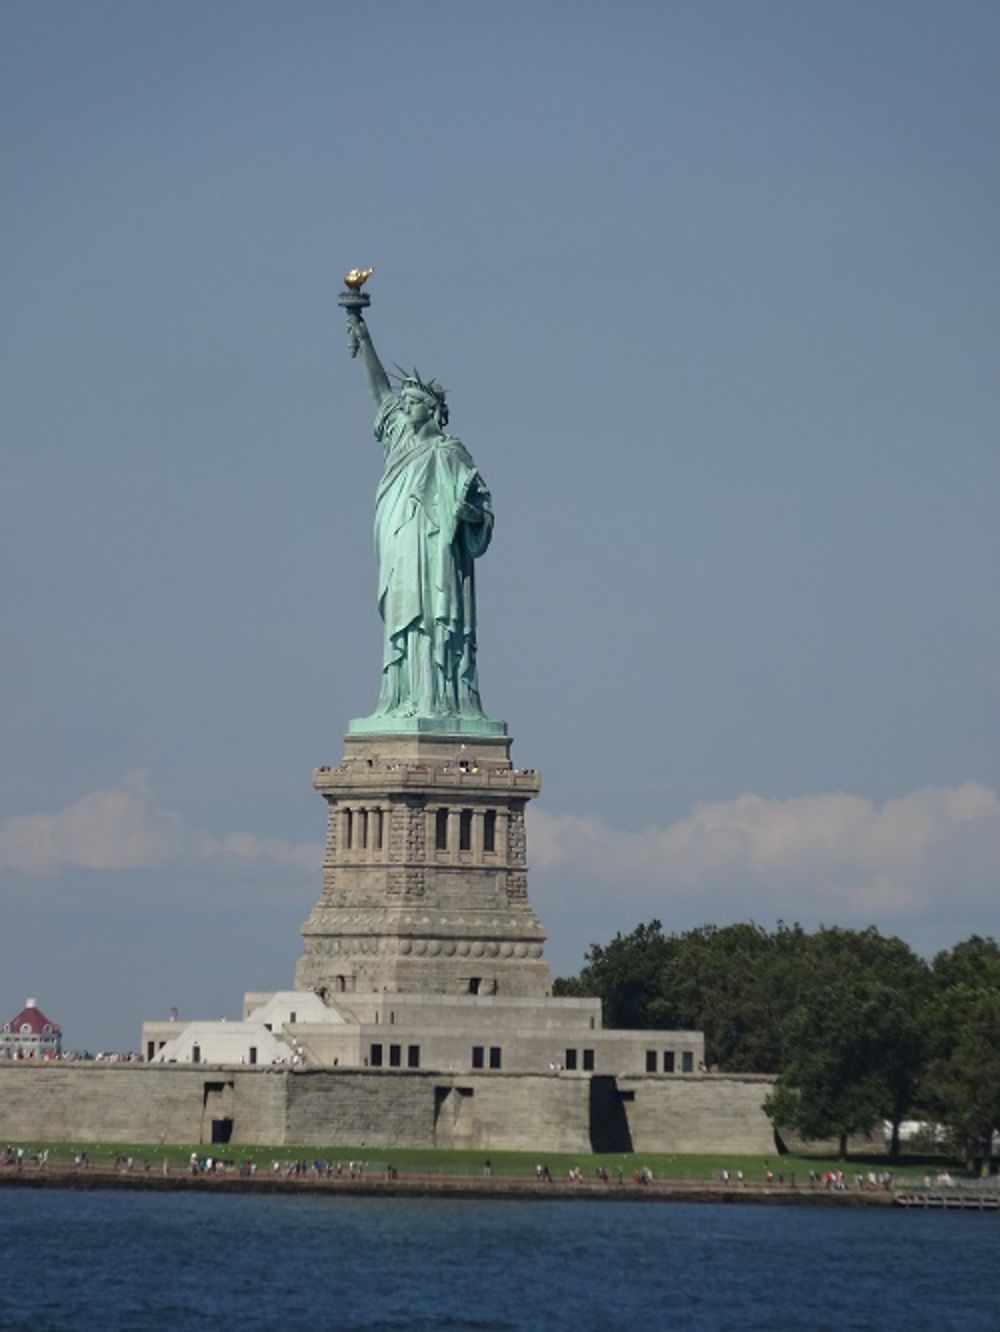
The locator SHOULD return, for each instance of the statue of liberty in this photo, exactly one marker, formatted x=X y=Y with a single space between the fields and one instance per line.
x=433 y=519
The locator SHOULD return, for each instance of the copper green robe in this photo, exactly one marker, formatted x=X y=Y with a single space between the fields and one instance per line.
x=426 y=585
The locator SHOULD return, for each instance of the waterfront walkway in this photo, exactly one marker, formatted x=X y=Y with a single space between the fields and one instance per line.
x=380 y=1183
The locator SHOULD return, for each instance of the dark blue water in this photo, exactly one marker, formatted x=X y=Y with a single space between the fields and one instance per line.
x=136 y=1260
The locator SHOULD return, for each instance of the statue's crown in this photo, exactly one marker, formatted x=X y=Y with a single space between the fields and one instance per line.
x=412 y=379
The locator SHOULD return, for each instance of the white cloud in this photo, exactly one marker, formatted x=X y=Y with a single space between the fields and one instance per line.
x=123 y=828
x=833 y=851
x=264 y=850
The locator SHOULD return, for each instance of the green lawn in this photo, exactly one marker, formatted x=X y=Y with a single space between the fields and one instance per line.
x=511 y=1164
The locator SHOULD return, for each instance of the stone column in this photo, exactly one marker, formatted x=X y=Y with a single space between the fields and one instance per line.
x=343 y=816
x=502 y=842
x=478 y=815
x=454 y=815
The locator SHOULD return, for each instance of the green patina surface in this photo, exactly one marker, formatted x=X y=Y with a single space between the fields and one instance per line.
x=382 y=724
x=433 y=520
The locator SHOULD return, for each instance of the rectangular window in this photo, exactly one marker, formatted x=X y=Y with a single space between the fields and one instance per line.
x=477 y=1056
x=494 y=1056
x=687 y=1062
x=377 y=815
x=195 y=1054
x=668 y=1061
x=650 y=1061
x=474 y=984
x=150 y=1049
x=465 y=830
x=441 y=830
x=362 y=827
x=395 y=1056
x=253 y=1054
x=349 y=831
x=588 y=1061
x=375 y=1056
x=571 y=1059
x=291 y=1017
x=413 y=1056
x=490 y=830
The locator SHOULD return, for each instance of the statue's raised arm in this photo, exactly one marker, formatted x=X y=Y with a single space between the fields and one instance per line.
x=433 y=519
x=364 y=348
x=354 y=300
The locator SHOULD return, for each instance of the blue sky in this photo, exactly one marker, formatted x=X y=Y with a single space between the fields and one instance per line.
x=715 y=292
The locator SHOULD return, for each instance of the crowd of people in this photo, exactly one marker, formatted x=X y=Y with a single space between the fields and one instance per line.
x=17 y=1157
x=10 y=1055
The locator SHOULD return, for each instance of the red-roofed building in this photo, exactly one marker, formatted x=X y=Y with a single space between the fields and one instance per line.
x=30 y=1035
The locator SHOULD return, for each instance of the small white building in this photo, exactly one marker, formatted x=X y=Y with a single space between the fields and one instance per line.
x=266 y=1034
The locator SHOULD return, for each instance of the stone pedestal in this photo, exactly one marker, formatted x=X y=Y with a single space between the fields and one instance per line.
x=425 y=876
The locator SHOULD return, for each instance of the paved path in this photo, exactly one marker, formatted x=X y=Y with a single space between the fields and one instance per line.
x=375 y=1183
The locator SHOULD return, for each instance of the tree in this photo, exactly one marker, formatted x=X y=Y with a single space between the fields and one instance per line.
x=838 y=1014
x=843 y=1070
x=962 y=1087
x=719 y=981
x=902 y=1025
x=854 y=1037
x=625 y=976
x=731 y=982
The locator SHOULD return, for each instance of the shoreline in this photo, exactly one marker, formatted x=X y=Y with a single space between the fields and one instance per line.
x=485 y=1188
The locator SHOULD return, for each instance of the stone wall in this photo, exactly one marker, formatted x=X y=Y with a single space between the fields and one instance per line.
x=359 y=1109
x=131 y=1103
x=519 y=1112
x=699 y=1113
x=140 y=1103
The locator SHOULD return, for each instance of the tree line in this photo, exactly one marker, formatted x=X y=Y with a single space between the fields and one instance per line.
x=857 y=1027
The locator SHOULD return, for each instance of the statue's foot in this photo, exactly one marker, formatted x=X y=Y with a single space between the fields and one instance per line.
x=396 y=710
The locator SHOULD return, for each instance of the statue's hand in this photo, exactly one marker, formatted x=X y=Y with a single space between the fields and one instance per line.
x=355 y=331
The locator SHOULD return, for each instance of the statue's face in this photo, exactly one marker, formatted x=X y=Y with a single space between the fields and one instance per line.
x=417 y=406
